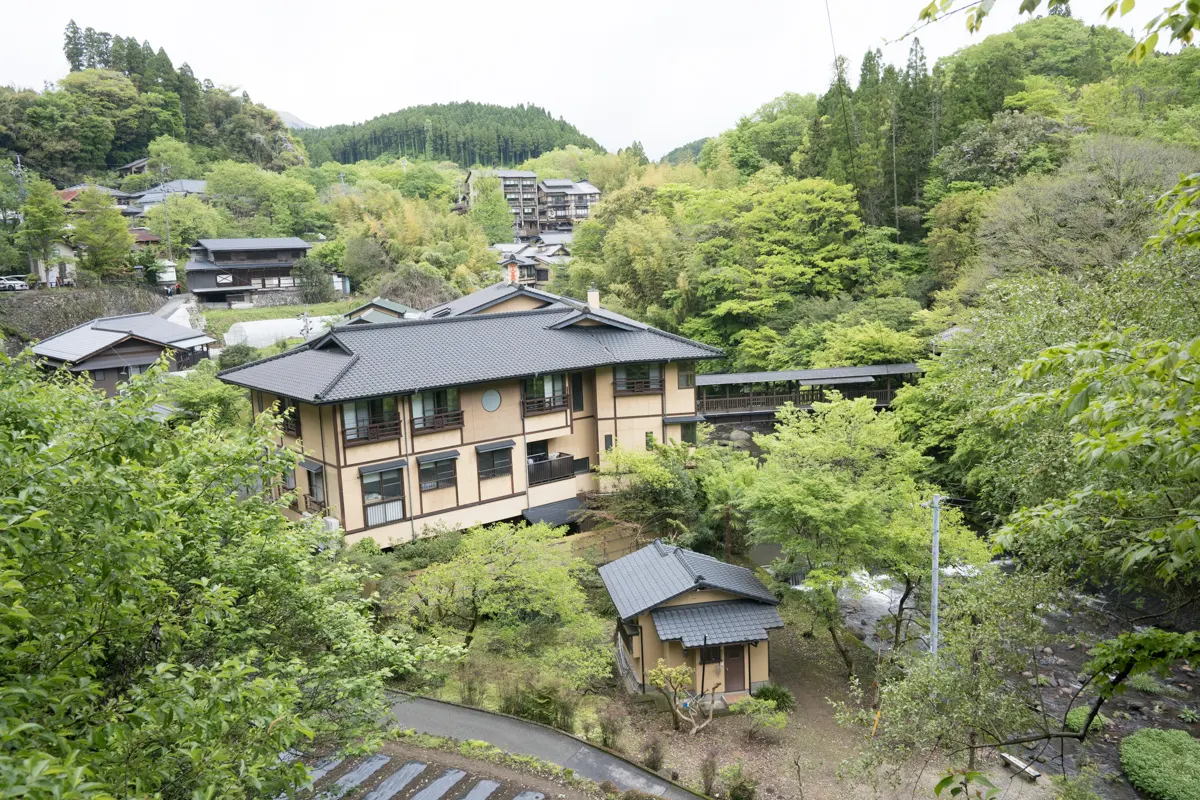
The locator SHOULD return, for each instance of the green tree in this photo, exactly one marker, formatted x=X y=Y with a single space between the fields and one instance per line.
x=489 y=211
x=100 y=231
x=237 y=354
x=866 y=344
x=200 y=393
x=168 y=630
x=43 y=218
x=314 y=283
x=190 y=219
x=172 y=158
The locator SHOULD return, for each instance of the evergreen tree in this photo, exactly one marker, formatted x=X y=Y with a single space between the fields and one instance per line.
x=73 y=46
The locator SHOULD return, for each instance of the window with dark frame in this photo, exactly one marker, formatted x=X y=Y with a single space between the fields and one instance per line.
x=608 y=442
x=289 y=410
x=436 y=410
x=439 y=475
x=710 y=655
x=316 y=485
x=687 y=432
x=637 y=378
x=383 y=496
x=687 y=374
x=370 y=420
x=97 y=374
x=577 y=391
x=494 y=464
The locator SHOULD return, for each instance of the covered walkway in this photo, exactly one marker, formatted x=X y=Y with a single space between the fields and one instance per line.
x=749 y=394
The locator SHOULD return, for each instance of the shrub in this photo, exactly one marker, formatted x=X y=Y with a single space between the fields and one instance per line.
x=653 y=753
x=1146 y=683
x=609 y=789
x=235 y=355
x=1077 y=787
x=1078 y=715
x=1189 y=715
x=738 y=785
x=783 y=697
x=1163 y=765
x=762 y=716
x=611 y=722
x=708 y=772
x=546 y=703
x=472 y=681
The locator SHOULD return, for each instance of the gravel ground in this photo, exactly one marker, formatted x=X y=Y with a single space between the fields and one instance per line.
x=812 y=670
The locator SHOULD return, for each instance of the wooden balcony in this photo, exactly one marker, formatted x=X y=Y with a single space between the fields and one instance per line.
x=556 y=467
x=313 y=506
x=767 y=403
x=442 y=419
x=638 y=386
x=373 y=432
x=544 y=405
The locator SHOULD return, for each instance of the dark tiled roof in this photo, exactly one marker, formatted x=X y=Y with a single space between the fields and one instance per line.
x=706 y=624
x=383 y=302
x=264 y=243
x=554 y=514
x=656 y=573
x=357 y=361
x=490 y=296
x=83 y=340
x=828 y=376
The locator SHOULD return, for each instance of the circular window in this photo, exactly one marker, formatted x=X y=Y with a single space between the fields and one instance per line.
x=491 y=400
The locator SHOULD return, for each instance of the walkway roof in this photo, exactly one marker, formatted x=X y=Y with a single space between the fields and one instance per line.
x=830 y=376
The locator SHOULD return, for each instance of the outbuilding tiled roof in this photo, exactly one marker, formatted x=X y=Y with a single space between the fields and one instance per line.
x=83 y=340
x=254 y=243
x=492 y=295
x=359 y=361
x=658 y=572
x=707 y=624
x=827 y=376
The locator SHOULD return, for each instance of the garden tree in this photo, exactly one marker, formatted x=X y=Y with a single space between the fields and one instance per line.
x=837 y=490
x=866 y=344
x=676 y=685
x=167 y=630
x=762 y=715
x=200 y=393
x=313 y=283
x=99 y=230
x=489 y=210
x=237 y=354
x=725 y=475
x=506 y=573
x=416 y=285
x=43 y=218
x=190 y=219
x=172 y=159
x=649 y=492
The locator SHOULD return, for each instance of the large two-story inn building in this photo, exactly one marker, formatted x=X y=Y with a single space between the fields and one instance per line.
x=492 y=407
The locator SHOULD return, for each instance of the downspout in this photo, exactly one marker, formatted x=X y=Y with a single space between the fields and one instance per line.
x=703 y=664
x=642 y=650
x=750 y=669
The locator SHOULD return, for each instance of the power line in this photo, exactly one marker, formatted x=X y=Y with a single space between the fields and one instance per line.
x=841 y=81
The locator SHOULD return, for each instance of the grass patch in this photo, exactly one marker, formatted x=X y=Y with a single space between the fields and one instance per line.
x=1146 y=683
x=218 y=321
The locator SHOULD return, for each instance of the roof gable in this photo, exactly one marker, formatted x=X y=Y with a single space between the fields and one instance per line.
x=649 y=577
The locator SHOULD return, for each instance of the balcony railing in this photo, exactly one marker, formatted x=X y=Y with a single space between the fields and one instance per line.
x=313 y=505
x=758 y=403
x=440 y=420
x=556 y=467
x=545 y=405
x=638 y=385
x=373 y=432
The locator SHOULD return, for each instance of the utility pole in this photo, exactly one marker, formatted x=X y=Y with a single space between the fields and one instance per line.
x=19 y=172
x=933 y=610
x=167 y=213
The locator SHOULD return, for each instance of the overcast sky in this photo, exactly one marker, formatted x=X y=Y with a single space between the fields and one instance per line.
x=661 y=71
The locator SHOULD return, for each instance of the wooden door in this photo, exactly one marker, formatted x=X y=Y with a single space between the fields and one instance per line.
x=735 y=668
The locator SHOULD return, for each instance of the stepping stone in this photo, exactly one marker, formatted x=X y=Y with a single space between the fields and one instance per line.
x=530 y=796
x=444 y=783
x=353 y=778
x=394 y=783
x=481 y=790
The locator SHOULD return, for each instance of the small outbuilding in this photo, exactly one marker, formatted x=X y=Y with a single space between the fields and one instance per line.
x=687 y=608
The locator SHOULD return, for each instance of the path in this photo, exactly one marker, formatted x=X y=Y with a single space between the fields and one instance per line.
x=172 y=305
x=524 y=738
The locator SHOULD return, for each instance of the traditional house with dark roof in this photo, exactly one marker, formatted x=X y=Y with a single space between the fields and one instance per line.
x=682 y=607
x=494 y=406
x=110 y=350
x=235 y=270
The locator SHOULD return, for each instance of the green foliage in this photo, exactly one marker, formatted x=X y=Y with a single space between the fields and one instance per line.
x=1164 y=765
x=865 y=344
x=200 y=394
x=43 y=217
x=738 y=784
x=1077 y=716
x=202 y=633
x=1077 y=787
x=685 y=154
x=762 y=715
x=237 y=354
x=172 y=159
x=489 y=211
x=1147 y=683
x=653 y=752
x=548 y=703
x=313 y=282
x=780 y=695
x=100 y=231
x=466 y=133
x=998 y=151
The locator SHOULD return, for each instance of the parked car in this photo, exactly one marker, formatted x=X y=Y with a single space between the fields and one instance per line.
x=13 y=285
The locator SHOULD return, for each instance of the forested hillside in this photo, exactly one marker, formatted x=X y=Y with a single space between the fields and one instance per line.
x=121 y=95
x=466 y=133
x=685 y=153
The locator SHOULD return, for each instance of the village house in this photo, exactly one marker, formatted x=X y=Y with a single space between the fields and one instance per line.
x=235 y=270
x=110 y=350
x=495 y=406
x=685 y=608
x=380 y=309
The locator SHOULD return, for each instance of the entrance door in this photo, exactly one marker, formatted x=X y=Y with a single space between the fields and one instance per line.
x=735 y=668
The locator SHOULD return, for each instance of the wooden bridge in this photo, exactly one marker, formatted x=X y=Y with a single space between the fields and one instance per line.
x=756 y=394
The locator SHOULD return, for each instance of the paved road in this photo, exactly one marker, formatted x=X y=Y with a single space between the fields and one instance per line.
x=515 y=736
x=172 y=305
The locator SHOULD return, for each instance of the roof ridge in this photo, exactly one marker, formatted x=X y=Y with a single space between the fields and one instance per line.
x=682 y=559
x=340 y=374
x=460 y=318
